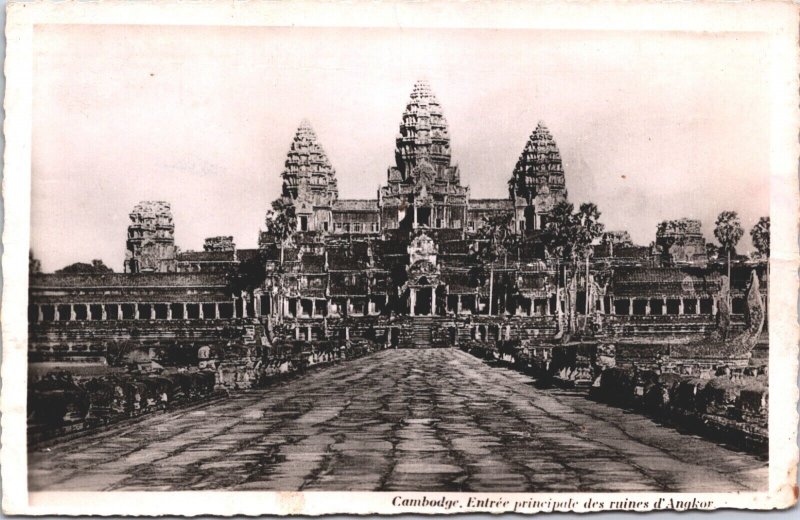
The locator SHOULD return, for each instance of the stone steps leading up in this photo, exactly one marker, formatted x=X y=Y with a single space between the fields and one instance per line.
x=422 y=332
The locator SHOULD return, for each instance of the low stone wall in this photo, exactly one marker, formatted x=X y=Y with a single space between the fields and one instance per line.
x=732 y=407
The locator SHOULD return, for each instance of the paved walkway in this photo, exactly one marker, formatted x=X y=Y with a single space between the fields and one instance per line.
x=398 y=420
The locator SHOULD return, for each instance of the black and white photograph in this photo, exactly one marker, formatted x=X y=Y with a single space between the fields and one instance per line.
x=439 y=263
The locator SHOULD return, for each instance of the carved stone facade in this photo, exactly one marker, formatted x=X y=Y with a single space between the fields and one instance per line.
x=538 y=180
x=151 y=239
x=398 y=269
x=681 y=242
x=309 y=181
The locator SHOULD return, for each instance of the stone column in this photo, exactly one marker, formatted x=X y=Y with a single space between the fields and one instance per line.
x=135 y=311
x=647 y=307
x=313 y=307
x=39 y=313
x=200 y=311
x=216 y=309
x=71 y=312
x=680 y=306
x=152 y=311
x=285 y=306
x=415 y=216
x=347 y=333
x=244 y=306
x=412 y=300
x=630 y=306
x=297 y=333
x=663 y=306
x=347 y=306
x=433 y=302
x=56 y=313
x=103 y=312
x=119 y=311
x=697 y=306
x=169 y=311
x=308 y=333
x=713 y=306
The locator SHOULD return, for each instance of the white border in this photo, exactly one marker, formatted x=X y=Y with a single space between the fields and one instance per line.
x=779 y=20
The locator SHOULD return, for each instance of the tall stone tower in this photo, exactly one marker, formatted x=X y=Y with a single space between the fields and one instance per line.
x=537 y=183
x=423 y=189
x=424 y=135
x=151 y=239
x=309 y=181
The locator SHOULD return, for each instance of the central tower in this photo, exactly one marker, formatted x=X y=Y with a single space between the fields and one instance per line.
x=423 y=189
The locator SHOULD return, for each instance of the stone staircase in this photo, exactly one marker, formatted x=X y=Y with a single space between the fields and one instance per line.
x=422 y=332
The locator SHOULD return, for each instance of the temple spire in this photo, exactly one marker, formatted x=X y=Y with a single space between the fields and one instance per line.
x=424 y=135
x=539 y=170
x=307 y=170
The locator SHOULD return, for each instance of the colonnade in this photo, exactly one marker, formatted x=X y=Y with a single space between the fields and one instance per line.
x=119 y=311
x=696 y=303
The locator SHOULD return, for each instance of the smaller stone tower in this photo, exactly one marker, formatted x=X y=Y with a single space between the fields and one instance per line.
x=151 y=239
x=309 y=181
x=537 y=183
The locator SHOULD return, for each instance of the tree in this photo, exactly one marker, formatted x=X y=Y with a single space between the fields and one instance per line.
x=557 y=234
x=569 y=235
x=496 y=237
x=34 y=265
x=96 y=267
x=281 y=223
x=760 y=236
x=728 y=231
x=712 y=251
x=248 y=275
x=588 y=228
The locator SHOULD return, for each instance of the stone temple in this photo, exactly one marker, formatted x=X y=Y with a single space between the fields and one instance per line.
x=399 y=269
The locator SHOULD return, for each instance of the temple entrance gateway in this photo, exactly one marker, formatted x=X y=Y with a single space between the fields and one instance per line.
x=424 y=301
x=424 y=216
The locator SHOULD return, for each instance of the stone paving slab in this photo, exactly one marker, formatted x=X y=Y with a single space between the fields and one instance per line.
x=421 y=420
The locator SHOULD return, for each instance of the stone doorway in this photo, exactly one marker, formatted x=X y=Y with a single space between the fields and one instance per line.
x=424 y=217
x=424 y=302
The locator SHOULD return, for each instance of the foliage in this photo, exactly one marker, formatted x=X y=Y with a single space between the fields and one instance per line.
x=728 y=231
x=34 y=265
x=712 y=251
x=557 y=235
x=569 y=234
x=587 y=229
x=281 y=221
x=760 y=235
x=496 y=238
x=96 y=267
x=247 y=275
